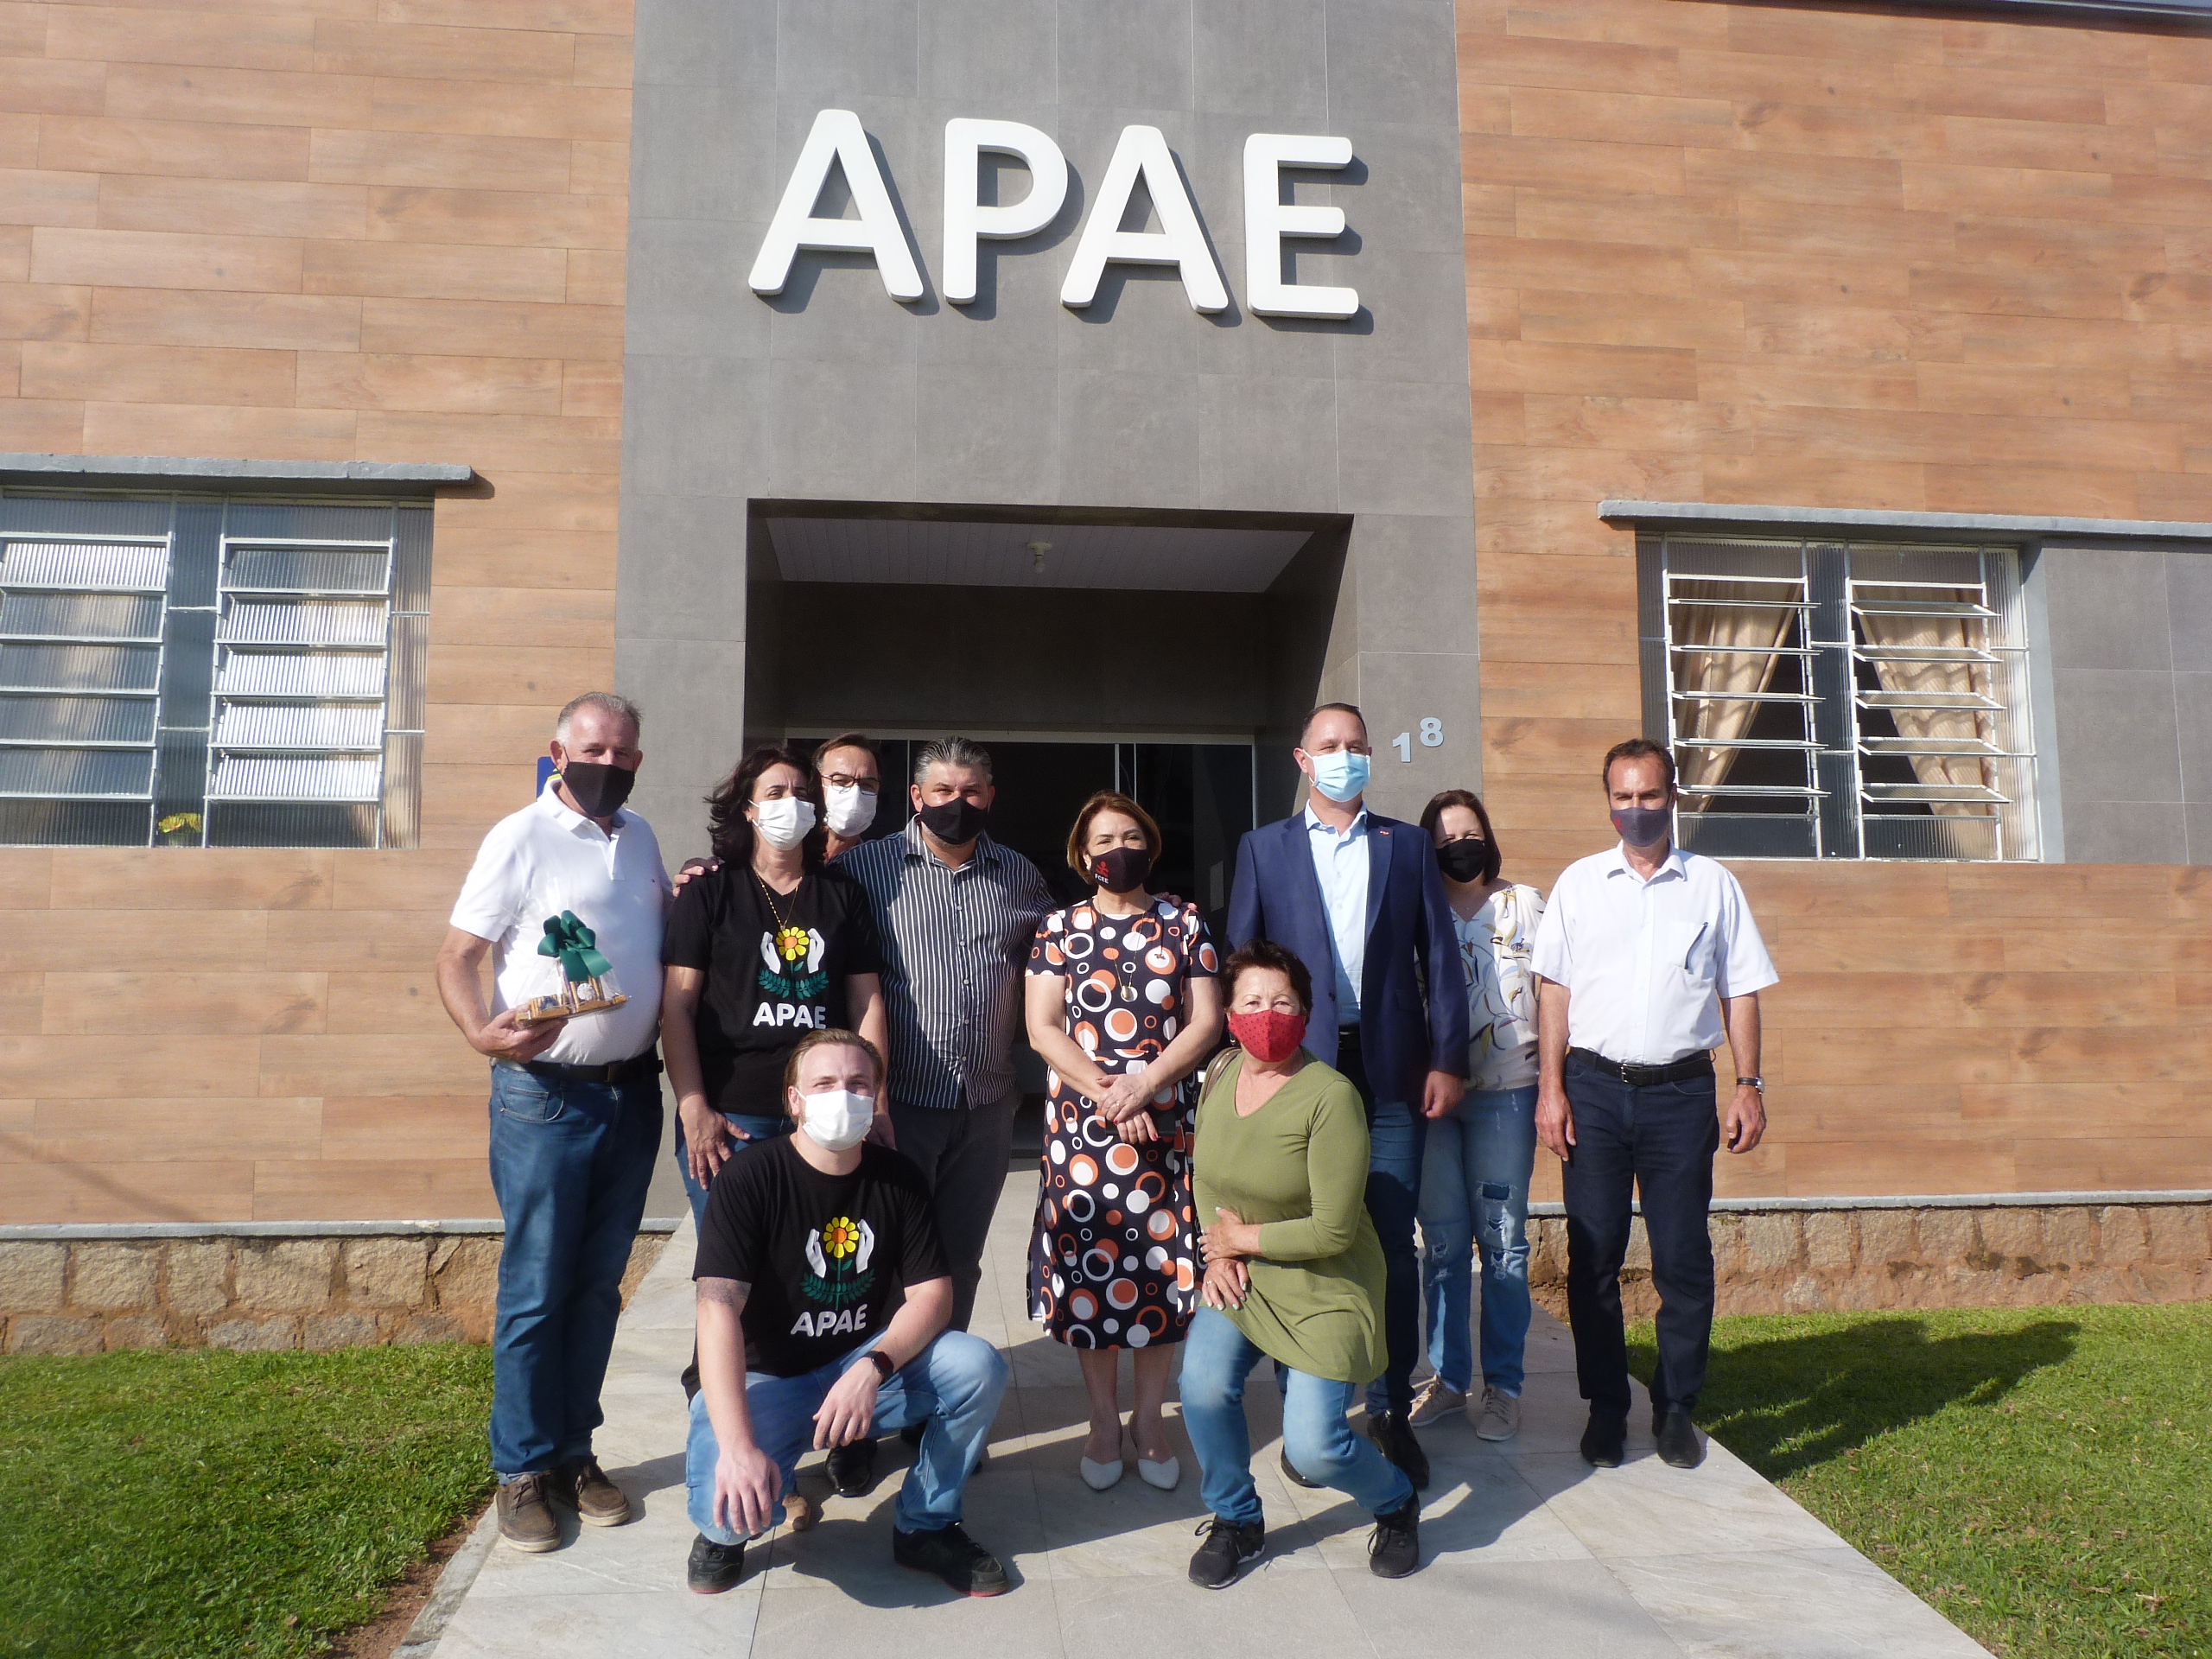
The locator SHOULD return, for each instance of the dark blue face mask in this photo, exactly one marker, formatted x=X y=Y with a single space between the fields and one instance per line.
x=1644 y=826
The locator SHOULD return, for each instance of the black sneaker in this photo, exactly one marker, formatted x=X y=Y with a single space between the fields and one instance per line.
x=1604 y=1442
x=852 y=1468
x=1394 y=1548
x=1393 y=1438
x=1290 y=1473
x=952 y=1556
x=1227 y=1547
x=714 y=1568
x=1678 y=1447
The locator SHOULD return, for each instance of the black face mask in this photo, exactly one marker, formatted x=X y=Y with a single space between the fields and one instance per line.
x=954 y=822
x=1121 y=870
x=599 y=790
x=1467 y=861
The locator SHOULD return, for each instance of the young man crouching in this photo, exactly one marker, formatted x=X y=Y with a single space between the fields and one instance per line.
x=807 y=1240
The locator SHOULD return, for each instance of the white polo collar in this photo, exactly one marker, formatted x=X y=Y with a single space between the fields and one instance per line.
x=550 y=803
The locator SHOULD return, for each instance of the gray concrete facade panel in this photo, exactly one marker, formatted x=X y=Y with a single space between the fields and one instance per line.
x=834 y=391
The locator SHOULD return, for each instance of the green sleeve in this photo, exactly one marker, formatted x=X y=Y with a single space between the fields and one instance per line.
x=1336 y=1172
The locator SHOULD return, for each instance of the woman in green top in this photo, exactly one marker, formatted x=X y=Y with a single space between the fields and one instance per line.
x=1293 y=1272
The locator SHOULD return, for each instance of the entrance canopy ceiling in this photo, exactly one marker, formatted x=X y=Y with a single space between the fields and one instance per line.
x=1209 y=558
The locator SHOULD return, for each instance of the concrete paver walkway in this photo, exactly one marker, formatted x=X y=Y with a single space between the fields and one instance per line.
x=1527 y=1551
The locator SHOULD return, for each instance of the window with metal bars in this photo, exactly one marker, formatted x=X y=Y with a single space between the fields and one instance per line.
x=183 y=671
x=1830 y=699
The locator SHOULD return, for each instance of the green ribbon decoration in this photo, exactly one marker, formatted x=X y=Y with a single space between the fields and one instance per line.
x=574 y=945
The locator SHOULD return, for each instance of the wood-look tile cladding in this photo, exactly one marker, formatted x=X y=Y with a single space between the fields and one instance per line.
x=1807 y=255
x=378 y=230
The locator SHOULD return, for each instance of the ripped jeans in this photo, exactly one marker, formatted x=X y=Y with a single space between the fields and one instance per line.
x=1474 y=1194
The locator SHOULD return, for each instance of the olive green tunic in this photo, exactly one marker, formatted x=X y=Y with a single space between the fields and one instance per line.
x=1299 y=1167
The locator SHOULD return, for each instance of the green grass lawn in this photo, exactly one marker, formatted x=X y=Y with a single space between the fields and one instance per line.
x=2042 y=1476
x=175 y=1505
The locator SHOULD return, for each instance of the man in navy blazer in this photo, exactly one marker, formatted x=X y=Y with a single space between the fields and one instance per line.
x=1359 y=898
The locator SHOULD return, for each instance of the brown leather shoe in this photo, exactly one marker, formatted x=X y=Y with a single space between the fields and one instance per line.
x=526 y=1517
x=583 y=1487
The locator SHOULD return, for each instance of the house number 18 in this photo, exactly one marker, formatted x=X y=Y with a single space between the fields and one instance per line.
x=1432 y=736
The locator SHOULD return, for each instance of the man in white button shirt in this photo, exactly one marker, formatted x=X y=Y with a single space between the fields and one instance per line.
x=576 y=1104
x=1649 y=958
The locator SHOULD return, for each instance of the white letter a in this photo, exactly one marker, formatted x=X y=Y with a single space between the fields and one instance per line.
x=1179 y=242
x=837 y=137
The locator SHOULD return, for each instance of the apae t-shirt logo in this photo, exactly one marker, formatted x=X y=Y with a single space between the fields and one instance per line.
x=791 y=977
x=838 y=1276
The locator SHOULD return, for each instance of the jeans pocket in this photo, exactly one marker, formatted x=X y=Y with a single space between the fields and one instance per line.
x=526 y=1100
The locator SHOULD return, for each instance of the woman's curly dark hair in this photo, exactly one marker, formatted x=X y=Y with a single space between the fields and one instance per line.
x=728 y=827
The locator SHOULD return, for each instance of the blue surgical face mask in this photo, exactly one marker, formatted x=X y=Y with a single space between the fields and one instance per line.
x=1644 y=826
x=1341 y=776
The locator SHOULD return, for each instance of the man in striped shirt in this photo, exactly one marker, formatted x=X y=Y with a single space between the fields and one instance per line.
x=956 y=913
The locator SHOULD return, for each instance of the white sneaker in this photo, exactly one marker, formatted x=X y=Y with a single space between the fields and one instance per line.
x=1498 y=1416
x=1434 y=1401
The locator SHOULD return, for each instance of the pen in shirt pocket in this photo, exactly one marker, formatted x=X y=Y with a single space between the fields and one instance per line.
x=1692 y=951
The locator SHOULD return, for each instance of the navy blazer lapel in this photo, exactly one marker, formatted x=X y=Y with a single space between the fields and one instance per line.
x=1379 y=838
x=1298 y=847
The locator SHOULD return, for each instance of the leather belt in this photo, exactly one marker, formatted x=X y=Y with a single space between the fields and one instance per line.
x=1694 y=1066
x=636 y=1069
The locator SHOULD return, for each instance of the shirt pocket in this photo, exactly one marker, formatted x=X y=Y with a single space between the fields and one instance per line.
x=1688 y=954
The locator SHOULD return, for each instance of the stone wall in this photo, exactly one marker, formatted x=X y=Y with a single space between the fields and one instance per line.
x=255 y=1294
x=1999 y=1255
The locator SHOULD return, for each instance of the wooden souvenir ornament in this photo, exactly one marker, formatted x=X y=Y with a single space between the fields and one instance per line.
x=583 y=971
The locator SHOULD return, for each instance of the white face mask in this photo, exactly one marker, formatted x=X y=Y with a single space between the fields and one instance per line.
x=837 y=1118
x=851 y=809
x=783 y=822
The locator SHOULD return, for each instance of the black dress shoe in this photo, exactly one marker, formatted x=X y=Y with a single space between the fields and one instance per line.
x=1679 y=1445
x=1394 y=1548
x=1605 y=1441
x=1227 y=1548
x=852 y=1468
x=714 y=1568
x=1290 y=1473
x=950 y=1553
x=1393 y=1438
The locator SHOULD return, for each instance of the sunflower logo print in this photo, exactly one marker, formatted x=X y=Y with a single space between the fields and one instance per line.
x=791 y=963
x=837 y=1257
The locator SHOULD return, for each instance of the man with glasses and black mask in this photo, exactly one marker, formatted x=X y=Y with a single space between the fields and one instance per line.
x=851 y=783
x=576 y=1102
x=1358 y=899
x=1650 y=960
x=954 y=913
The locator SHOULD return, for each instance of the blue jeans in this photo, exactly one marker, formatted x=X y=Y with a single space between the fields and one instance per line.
x=755 y=1129
x=1217 y=1358
x=570 y=1164
x=1474 y=1191
x=1657 y=1141
x=1395 y=1134
x=953 y=1386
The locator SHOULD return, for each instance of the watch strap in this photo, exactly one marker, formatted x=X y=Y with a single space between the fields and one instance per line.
x=881 y=1361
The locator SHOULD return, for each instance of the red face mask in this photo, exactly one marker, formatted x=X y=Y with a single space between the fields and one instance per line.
x=1270 y=1035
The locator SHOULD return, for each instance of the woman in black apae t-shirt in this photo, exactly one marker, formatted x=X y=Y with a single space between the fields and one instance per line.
x=824 y=1300
x=771 y=947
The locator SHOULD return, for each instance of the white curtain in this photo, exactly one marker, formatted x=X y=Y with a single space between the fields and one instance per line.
x=1930 y=725
x=1756 y=630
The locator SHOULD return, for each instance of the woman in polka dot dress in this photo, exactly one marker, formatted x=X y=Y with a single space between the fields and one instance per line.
x=1124 y=1008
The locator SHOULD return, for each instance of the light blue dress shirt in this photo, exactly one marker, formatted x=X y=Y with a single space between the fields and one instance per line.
x=1340 y=863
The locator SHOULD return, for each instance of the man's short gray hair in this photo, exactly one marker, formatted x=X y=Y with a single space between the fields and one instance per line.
x=956 y=752
x=607 y=704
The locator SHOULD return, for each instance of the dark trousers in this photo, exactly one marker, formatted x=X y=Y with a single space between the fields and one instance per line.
x=1660 y=1140
x=1396 y=1133
x=570 y=1164
x=963 y=1151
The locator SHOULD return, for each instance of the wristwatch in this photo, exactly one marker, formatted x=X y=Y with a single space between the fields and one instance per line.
x=884 y=1369
x=1759 y=1084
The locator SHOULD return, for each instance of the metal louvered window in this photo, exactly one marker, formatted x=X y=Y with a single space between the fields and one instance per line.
x=178 y=670
x=1829 y=699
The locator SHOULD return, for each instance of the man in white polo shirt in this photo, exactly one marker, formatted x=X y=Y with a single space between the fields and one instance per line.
x=1649 y=958
x=576 y=1104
